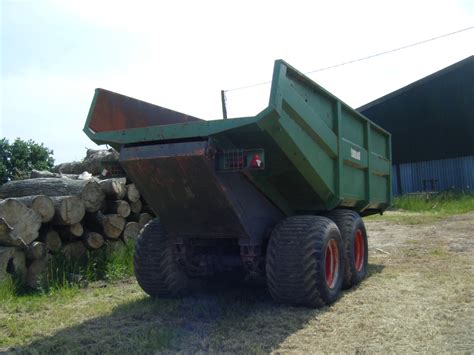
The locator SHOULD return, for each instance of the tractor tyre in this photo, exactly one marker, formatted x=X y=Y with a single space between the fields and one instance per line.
x=354 y=238
x=304 y=263
x=156 y=269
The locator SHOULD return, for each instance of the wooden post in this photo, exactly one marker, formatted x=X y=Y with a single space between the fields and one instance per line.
x=224 y=108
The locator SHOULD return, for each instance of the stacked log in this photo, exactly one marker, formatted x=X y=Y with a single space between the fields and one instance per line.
x=46 y=216
x=89 y=191
x=95 y=162
x=20 y=224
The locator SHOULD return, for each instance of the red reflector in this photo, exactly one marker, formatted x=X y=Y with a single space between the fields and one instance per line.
x=256 y=162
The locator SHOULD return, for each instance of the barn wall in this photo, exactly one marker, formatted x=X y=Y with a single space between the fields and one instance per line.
x=434 y=175
x=432 y=118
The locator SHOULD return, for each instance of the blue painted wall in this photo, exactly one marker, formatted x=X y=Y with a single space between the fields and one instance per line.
x=434 y=175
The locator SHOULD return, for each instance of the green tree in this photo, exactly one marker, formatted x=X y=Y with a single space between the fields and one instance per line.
x=20 y=157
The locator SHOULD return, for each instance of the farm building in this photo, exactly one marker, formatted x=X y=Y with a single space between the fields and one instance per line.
x=432 y=126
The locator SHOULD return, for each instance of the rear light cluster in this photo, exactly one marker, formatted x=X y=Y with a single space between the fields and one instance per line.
x=240 y=159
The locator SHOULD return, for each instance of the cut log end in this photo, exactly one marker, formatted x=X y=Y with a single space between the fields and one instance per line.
x=114 y=189
x=119 y=207
x=69 y=210
x=92 y=196
x=145 y=218
x=109 y=225
x=131 y=231
x=133 y=195
x=93 y=240
x=41 y=204
x=37 y=274
x=44 y=207
x=71 y=232
x=36 y=250
x=76 y=229
x=136 y=207
x=24 y=221
x=17 y=266
x=6 y=235
x=113 y=226
x=51 y=239
x=74 y=252
x=141 y=218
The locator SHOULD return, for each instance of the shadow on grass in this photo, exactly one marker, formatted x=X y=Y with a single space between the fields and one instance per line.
x=374 y=269
x=227 y=315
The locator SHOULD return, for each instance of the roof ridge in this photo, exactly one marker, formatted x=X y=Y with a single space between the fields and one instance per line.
x=418 y=82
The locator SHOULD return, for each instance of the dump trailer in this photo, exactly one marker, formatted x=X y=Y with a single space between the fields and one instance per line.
x=279 y=195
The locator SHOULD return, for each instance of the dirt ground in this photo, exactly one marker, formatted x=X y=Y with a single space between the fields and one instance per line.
x=418 y=297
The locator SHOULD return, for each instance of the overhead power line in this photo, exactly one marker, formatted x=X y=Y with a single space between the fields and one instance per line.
x=363 y=58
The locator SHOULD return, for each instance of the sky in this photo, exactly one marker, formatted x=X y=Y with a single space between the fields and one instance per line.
x=180 y=54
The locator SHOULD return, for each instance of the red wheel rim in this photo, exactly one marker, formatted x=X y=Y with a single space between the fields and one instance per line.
x=359 y=250
x=331 y=262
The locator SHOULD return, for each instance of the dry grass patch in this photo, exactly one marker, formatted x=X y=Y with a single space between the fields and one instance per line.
x=417 y=298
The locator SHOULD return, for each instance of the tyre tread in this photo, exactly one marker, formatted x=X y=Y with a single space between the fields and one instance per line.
x=346 y=220
x=293 y=260
x=155 y=268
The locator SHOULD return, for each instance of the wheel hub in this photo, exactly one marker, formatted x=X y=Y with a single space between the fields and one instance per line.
x=359 y=250
x=331 y=261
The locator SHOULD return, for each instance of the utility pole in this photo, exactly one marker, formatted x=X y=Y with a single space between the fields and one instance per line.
x=224 y=108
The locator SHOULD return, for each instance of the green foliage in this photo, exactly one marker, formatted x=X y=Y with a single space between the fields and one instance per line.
x=109 y=264
x=20 y=157
x=445 y=203
x=8 y=289
x=63 y=274
x=101 y=264
x=120 y=262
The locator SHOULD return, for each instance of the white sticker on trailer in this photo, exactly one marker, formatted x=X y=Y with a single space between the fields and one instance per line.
x=355 y=154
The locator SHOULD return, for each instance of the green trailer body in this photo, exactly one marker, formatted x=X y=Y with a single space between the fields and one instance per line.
x=320 y=154
x=218 y=185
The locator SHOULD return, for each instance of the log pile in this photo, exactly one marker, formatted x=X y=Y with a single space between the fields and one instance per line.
x=46 y=216
x=96 y=162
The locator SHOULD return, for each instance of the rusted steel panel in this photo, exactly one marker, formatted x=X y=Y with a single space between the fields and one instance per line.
x=182 y=189
x=111 y=111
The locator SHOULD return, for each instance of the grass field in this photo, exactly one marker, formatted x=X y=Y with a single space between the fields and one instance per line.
x=101 y=264
x=417 y=298
x=445 y=203
x=427 y=208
